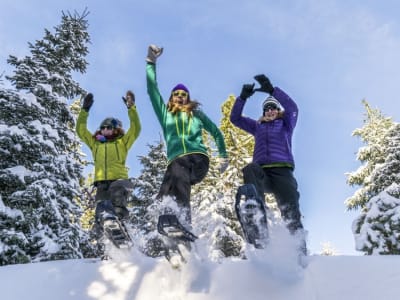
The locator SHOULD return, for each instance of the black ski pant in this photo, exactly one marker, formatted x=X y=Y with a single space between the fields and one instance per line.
x=281 y=183
x=181 y=174
x=112 y=197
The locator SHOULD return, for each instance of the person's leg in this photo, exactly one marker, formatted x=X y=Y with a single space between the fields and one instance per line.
x=120 y=191
x=103 y=201
x=181 y=174
x=199 y=165
x=254 y=174
x=176 y=183
x=284 y=187
x=287 y=196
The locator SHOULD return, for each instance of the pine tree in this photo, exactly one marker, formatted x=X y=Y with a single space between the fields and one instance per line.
x=373 y=133
x=377 y=229
x=145 y=205
x=40 y=167
x=54 y=59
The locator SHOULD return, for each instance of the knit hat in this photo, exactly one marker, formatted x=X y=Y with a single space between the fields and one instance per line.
x=271 y=102
x=181 y=86
x=115 y=123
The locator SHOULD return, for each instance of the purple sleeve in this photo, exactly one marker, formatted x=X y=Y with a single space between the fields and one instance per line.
x=290 y=107
x=240 y=121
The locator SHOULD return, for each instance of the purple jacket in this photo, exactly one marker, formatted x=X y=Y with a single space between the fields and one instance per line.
x=273 y=140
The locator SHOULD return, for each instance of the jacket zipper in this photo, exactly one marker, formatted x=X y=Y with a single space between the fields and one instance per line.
x=105 y=161
x=183 y=130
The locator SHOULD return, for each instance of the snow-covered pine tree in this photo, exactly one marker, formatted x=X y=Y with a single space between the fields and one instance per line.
x=40 y=169
x=373 y=134
x=144 y=212
x=377 y=229
x=54 y=59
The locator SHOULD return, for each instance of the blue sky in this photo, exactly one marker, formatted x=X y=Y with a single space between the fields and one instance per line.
x=328 y=55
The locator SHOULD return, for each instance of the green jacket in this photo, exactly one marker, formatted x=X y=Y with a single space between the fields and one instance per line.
x=182 y=133
x=109 y=157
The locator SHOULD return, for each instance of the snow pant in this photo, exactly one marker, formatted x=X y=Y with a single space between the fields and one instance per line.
x=281 y=183
x=181 y=174
x=112 y=197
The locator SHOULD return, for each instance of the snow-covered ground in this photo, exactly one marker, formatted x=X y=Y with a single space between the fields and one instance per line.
x=263 y=275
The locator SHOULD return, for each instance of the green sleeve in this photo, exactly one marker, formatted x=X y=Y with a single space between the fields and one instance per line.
x=82 y=131
x=210 y=127
x=155 y=97
x=134 y=127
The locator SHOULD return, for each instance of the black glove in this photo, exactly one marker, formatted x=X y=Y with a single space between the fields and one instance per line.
x=266 y=85
x=247 y=91
x=87 y=102
x=153 y=53
x=129 y=99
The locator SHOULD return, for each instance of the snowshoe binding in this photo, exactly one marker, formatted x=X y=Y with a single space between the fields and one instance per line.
x=117 y=233
x=169 y=225
x=252 y=216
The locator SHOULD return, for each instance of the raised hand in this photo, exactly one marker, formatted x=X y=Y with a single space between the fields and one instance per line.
x=247 y=91
x=265 y=84
x=129 y=99
x=153 y=53
x=87 y=102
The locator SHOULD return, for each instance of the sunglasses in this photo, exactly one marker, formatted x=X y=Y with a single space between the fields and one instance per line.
x=180 y=93
x=109 y=127
x=270 y=107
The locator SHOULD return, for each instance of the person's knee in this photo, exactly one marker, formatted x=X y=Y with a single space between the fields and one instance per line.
x=120 y=197
x=122 y=212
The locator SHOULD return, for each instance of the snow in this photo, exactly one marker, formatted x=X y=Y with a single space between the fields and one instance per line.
x=263 y=275
x=20 y=171
x=12 y=213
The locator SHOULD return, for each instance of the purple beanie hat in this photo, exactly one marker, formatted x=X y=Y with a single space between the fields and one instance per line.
x=181 y=86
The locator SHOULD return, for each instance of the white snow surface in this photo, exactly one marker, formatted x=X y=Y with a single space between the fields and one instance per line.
x=265 y=274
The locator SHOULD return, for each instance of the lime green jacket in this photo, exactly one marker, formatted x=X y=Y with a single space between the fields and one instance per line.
x=109 y=157
x=182 y=132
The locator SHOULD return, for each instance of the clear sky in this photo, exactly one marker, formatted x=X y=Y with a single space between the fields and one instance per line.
x=327 y=55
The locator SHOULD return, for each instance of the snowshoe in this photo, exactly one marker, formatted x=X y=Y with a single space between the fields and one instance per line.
x=117 y=233
x=252 y=216
x=169 y=226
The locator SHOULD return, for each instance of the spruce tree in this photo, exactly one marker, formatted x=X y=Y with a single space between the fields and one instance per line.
x=40 y=167
x=54 y=59
x=377 y=229
x=373 y=133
